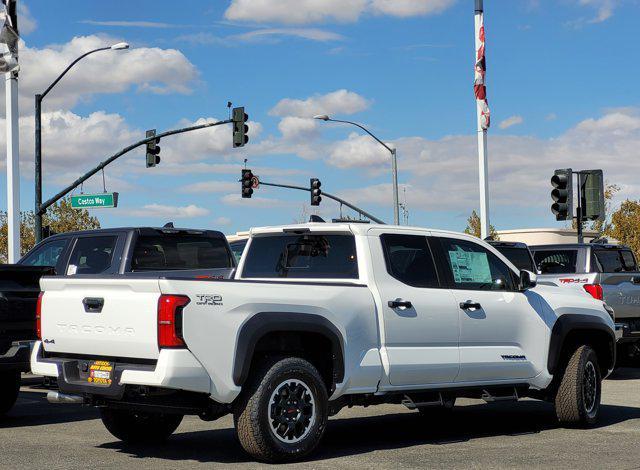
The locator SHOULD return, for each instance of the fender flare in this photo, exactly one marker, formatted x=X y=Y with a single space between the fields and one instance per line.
x=569 y=323
x=268 y=322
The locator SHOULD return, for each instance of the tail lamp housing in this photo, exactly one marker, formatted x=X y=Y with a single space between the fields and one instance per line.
x=170 y=309
x=39 y=316
x=595 y=290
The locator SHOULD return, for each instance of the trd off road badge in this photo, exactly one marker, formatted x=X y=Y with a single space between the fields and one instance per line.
x=208 y=299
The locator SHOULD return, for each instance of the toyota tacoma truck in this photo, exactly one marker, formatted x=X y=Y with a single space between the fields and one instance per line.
x=320 y=316
x=606 y=271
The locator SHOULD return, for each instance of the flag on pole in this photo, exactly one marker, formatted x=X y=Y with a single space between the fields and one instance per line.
x=479 y=86
x=9 y=36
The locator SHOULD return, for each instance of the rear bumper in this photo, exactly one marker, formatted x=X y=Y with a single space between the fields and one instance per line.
x=17 y=356
x=625 y=333
x=175 y=369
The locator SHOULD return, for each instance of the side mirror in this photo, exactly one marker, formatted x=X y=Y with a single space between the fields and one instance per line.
x=527 y=280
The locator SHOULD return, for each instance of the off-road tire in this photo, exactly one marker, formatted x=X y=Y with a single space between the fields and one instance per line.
x=139 y=428
x=573 y=401
x=255 y=429
x=9 y=389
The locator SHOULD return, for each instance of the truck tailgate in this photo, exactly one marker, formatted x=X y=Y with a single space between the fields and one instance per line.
x=100 y=316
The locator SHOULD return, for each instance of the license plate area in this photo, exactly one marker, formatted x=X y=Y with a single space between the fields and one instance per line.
x=99 y=373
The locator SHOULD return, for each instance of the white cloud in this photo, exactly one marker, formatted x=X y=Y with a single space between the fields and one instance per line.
x=551 y=117
x=406 y=8
x=130 y=24
x=297 y=128
x=358 y=151
x=222 y=221
x=26 y=22
x=604 y=9
x=295 y=11
x=315 y=11
x=236 y=199
x=211 y=187
x=337 y=102
x=313 y=34
x=150 y=69
x=160 y=211
x=510 y=122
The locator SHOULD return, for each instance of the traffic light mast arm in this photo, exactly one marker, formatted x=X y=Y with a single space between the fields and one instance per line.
x=330 y=196
x=45 y=205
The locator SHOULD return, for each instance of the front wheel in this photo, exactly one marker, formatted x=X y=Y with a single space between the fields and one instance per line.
x=282 y=412
x=577 y=400
x=9 y=389
x=138 y=427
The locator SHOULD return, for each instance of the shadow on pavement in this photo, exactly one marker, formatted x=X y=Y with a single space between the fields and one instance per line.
x=32 y=409
x=353 y=436
x=625 y=373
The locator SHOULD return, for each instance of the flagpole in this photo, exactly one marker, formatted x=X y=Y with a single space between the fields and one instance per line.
x=13 y=167
x=482 y=110
x=9 y=64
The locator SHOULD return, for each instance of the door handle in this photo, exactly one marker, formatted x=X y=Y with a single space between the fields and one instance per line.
x=399 y=303
x=93 y=304
x=469 y=305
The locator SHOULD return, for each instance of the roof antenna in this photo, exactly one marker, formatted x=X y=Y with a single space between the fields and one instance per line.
x=168 y=225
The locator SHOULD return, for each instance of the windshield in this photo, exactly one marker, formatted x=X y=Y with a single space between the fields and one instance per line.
x=519 y=257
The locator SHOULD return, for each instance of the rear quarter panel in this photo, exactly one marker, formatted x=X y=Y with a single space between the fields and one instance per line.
x=211 y=330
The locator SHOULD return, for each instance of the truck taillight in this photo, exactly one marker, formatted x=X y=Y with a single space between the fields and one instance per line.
x=170 y=320
x=39 y=316
x=595 y=290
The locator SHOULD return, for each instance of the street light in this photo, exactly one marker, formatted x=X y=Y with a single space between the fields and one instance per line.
x=38 y=138
x=394 y=161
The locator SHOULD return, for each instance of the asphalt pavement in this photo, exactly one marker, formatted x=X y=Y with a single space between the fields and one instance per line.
x=501 y=435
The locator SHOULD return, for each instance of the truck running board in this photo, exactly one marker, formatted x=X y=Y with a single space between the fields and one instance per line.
x=421 y=401
x=497 y=395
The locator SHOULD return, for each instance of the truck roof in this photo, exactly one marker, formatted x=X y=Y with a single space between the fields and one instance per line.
x=356 y=228
x=557 y=246
x=131 y=229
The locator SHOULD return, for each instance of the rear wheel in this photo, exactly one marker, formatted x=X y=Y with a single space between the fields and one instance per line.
x=9 y=389
x=282 y=413
x=137 y=427
x=577 y=400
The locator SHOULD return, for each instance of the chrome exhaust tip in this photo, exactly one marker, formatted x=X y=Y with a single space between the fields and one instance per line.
x=57 y=397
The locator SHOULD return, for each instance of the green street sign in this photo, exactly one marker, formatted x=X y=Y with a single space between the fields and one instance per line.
x=94 y=201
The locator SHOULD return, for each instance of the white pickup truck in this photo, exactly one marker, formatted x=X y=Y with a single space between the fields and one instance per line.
x=321 y=316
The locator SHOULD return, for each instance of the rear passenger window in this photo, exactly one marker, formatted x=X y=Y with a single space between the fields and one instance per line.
x=629 y=261
x=615 y=261
x=92 y=255
x=174 y=251
x=302 y=256
x=409 y=260
x=556 y=261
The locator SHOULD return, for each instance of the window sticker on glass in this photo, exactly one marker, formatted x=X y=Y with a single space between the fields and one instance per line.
x=469 y=266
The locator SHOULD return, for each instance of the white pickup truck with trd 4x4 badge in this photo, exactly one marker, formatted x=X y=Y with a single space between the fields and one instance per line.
x=321 y=316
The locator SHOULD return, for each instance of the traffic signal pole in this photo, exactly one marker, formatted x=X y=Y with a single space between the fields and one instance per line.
x=330 y=196
x=44 y=206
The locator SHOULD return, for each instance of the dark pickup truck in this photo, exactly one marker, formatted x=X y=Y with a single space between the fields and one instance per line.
x=119 y=251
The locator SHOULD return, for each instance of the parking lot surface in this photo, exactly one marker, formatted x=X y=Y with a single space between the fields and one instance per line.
x=501 y=435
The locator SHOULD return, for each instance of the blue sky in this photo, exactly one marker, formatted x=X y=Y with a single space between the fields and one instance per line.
x=562 y=86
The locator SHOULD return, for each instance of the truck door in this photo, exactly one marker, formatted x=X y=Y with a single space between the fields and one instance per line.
x=420 y=336
x=502 y=330
x=620 y=280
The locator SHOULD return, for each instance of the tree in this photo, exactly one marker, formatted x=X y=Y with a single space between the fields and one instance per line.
x=625 y=225
x=473 y=227
x=60 y=217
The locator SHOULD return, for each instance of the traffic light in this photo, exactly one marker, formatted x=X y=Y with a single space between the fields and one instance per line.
x=153 y=150
x=240 y=127
x=562 y=194
x=247 y=183
x=316 y=192
x=592 y=194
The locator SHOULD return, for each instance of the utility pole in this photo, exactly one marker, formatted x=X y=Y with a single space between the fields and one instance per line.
x=9 y=64
x=483 y=115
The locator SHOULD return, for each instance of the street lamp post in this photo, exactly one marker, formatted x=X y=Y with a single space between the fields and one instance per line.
x=394 y=162
x=38 y=136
